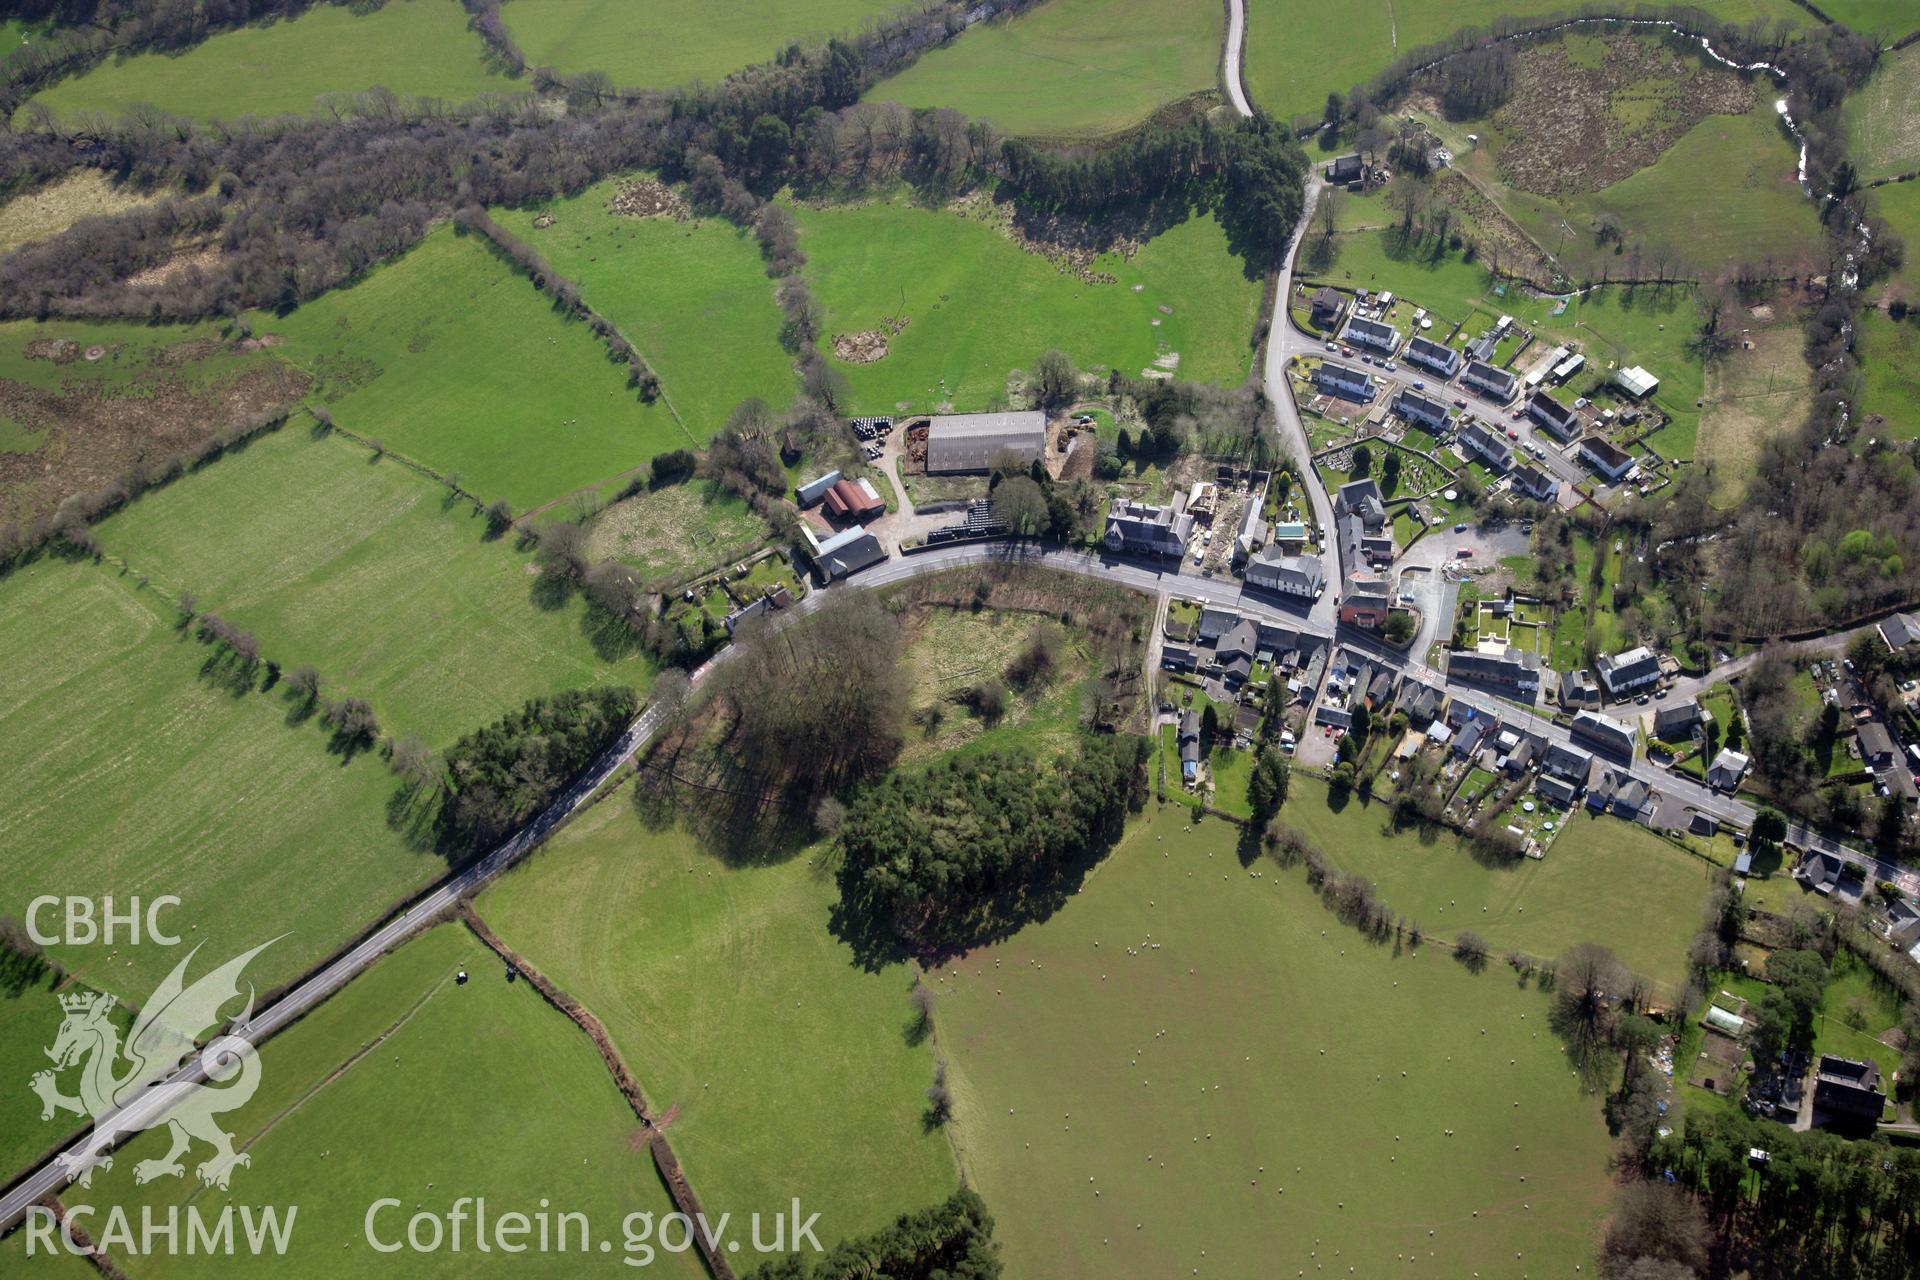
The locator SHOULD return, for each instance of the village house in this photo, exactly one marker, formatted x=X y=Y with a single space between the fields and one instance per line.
x=1625 y=674
x=1604 y=734
x=1477 y=440
x=1364 y=603
x=1606 y=458
x=1434 y=357
x=1899 y=631
x=1421 y=701
x=1531 y=482
x=1135 y=528
x=1504 y=670
x=1344 y=169
x=1215 y=621
x=1568 y=763
x=1372 y=335
x=1577 y=689
x=1422 y=411
x=1271 y=569
x=1848 y=1089
x=1830 y=876
x=1679 y=721
x=1495 y=384
x=1344 y=381
x=1559 y=421
x=1325 y=308
x=1178 y=657
x=1557 y=791
x=1877 y=751
x=1727 y=769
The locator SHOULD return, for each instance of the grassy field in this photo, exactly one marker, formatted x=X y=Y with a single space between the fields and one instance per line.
x=69 y=423
x=1603 y=880
x=1887 y=18
x=408 y=1085
x=1071 y=68
x=1899 y=204
x=1298 y=52
x=670 y=43
x=1883 y=119
x=29 y=1021
x=451 y=358
x=1128 y=1106
x=787 y=1068
x=413 y=47
x=1752 y=396
x=361 y=569
x=679 y=531
x=951 y=651
x=132 y=774
x=86 y=193
x=693 y=296
x=1889 y=353
x=977 y=305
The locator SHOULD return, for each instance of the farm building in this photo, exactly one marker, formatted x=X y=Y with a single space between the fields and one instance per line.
x=1497 y=384
x=854 y=500
x=1635 y=382
x=846 y=552
x=1344 y=169
x=1436 y=357
x=961 y=442
x=814 y=490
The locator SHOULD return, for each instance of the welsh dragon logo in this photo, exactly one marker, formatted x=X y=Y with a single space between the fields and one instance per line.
x=163 y=1035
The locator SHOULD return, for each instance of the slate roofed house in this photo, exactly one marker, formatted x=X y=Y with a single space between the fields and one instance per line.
x=846 y=552
x=1178 y=657
x=1362 y=497
x=854 y=500
x=1898 y=781
x=1344 y=169
x=1876 y=745
x=1530 y=481
x=1189 y=737
x=1480 y=441
x=1273 y=570
x=1495 y=383
x=1344 y=381
x=1364 y=603
x=1849 y=1088
x=1568 y=763
x=1373 y=335
x=814 y=490
x=1633 y=800
x=1577 y=689
x=963 y=442
x=1604 y=733
x=1603 y=788
x=1139 y=529
x=1422 y=410
x=1557 y=790
x=1241 y=642
x=1559 y=420
x=1727 y=769
x=1829 y=876
x=1676 y=722
x=1216 y=621
x=1623 y=673
x=1435 y=357
x=1326 y=307
x=1606 y=458
x=1899 y=631
x=1421 y=701
x=1503 y=670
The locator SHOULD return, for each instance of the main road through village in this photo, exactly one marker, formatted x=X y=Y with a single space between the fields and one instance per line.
x=1320 y=619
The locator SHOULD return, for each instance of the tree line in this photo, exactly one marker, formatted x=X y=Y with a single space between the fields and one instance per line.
x=500 y=776
x=952 y=1240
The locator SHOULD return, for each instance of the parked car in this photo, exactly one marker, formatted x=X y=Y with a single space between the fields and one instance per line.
x=1465 y=553
x=1333 y=346
x=1459 y=403
x=1419 y=384
x=1460 y=528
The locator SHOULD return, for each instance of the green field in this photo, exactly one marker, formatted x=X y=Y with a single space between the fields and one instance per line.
x=786 y=1067
x=1752 y=395
x=1889 y=353
x=132 y=775
x=29 y=1021
x=1071 y=68
x=671 y=42
x=1222 y=1074
x=978 y=306
x=1899 y=204
x=1883 y=119
x=451 y=358
x=1890 y=19
x=420 y=48
x=692 y=296
x=675 y=533
x=360 y=569
x=1603 y=880
x=1298 y=51
x=410 y=1086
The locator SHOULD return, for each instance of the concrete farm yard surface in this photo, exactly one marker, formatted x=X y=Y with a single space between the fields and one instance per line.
x=1071 y=68
x=413 y=47
x=413 y=1086
x=1098 y=1086
x=362 y=569
x=977 y=304
x=450 y=357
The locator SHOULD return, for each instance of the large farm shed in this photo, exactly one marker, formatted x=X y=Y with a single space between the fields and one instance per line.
x=971 y=441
